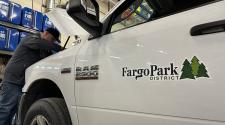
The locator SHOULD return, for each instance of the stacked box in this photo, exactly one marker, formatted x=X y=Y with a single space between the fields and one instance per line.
x=3 y=37
x=4 y=10
x=13 y=39
x=27 y=17
x=47 y=23
x=23 y=34
x=38 y=20
x=15 y=12
x=32 y=19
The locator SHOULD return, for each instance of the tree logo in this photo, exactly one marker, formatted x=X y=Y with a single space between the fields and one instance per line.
x=194 y=69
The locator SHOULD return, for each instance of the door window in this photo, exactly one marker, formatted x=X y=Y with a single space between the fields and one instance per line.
x=141 y=11
x=138 y=12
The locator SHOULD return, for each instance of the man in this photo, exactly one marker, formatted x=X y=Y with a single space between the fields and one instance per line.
x=30 y=50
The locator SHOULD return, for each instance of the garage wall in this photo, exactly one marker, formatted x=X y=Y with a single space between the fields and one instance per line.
x=37 y=5
x=28 y=3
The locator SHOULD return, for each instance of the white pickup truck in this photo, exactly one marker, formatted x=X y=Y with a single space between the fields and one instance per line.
x=149 y=62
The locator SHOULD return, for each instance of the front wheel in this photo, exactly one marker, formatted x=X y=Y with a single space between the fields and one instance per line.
x=48 y=111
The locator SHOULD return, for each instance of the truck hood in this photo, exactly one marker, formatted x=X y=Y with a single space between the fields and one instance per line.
x=65 y=24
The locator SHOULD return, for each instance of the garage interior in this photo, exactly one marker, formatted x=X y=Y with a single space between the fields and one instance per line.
x=112 y=62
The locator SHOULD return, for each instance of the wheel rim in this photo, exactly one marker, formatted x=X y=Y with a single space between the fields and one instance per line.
x=40 y=120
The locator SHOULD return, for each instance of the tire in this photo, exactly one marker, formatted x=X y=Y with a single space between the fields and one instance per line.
x=52 y=111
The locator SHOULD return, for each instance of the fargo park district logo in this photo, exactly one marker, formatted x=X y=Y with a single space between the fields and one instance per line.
x=189 y=70
x=193 y=70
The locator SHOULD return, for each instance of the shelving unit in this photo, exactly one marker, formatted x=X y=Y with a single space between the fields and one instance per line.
x=18 y=27
x=8 y=54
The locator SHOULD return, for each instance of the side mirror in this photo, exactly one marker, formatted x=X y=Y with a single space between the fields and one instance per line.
x=86 y=14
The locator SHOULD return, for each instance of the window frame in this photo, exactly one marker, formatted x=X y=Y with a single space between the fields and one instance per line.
x=155 y=8
x=150 y=5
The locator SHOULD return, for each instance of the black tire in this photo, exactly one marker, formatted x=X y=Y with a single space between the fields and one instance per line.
x=51 y=110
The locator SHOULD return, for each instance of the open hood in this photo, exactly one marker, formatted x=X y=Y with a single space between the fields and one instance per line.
x=65 y=24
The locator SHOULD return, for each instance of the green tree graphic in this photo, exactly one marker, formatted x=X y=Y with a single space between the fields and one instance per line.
x=187 y=71
x=195 y=65
x=202 y=72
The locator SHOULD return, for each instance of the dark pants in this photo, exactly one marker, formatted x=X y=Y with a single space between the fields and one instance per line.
x=9 y=98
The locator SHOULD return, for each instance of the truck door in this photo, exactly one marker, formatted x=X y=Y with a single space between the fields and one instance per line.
x=161 y=64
